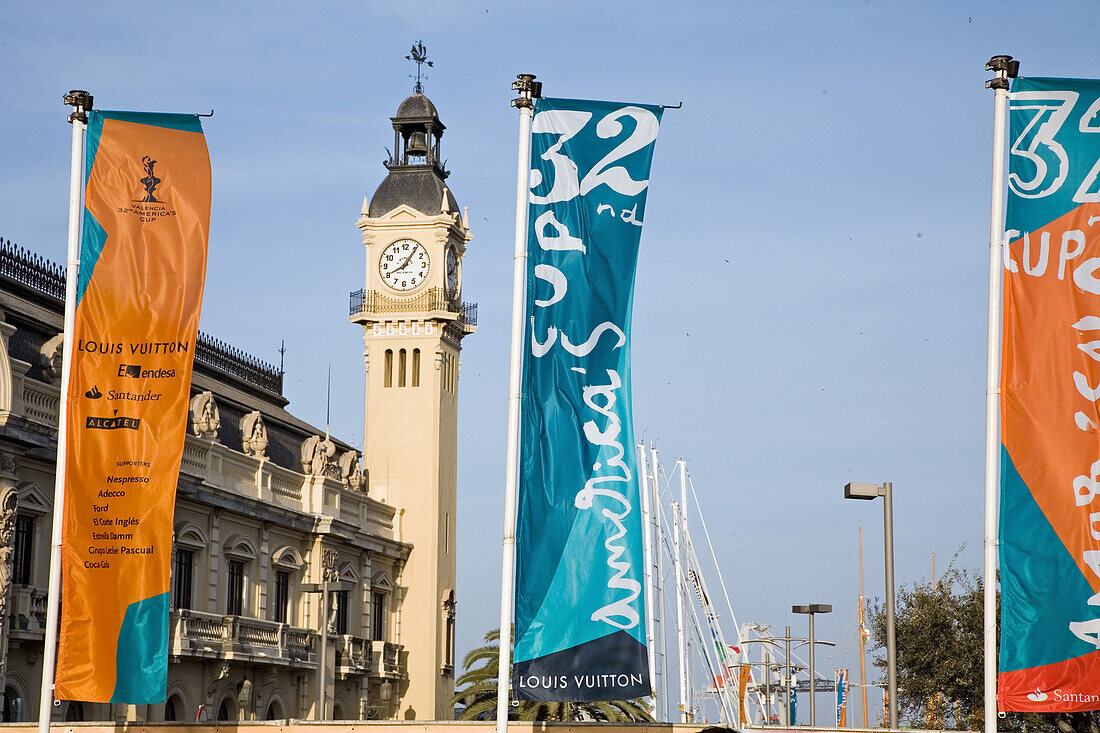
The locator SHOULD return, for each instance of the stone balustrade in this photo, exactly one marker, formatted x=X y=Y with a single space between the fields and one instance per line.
x=387 y=660
x=199 y=634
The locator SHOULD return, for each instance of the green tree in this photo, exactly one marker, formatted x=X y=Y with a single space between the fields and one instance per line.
x=939 y=651
x=477 y=689
x=940 y=657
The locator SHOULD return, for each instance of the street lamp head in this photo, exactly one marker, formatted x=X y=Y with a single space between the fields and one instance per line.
x=385 y=691
x=862 y=491
x=813 y=608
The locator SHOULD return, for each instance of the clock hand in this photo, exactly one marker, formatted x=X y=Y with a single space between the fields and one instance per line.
x=405 y=263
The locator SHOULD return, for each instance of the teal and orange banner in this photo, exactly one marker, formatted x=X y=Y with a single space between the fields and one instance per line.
x=142 y=271
x=1050 y=384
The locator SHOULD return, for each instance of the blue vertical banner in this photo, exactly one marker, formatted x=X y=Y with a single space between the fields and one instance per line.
x=580 y=618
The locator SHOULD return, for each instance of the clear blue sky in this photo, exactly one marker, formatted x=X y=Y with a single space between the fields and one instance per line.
x=810 y=302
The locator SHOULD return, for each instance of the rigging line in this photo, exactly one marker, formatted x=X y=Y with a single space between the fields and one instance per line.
x=703 y=646
x=851 y=551
x=717 y=637
x=714 y=557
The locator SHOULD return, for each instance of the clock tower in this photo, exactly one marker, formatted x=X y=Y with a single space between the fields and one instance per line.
x=414 y=320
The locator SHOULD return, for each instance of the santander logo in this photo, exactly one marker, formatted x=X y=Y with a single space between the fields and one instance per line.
x=1037 y=696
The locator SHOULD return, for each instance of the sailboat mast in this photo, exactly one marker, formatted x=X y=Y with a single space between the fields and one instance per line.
x=862 y=635
x=648 y=550
x=679 y=512
x=660 y=661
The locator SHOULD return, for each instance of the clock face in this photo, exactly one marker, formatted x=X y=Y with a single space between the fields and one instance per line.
x=452 y=270
x=404 y=265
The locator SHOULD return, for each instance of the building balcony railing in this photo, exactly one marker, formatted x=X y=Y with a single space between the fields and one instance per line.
x=387 y=660
x=353 y=655
x=198 y=634
x=27 y=610
x=369 y=302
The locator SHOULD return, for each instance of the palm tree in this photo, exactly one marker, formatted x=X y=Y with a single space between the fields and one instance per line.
x=478 y=691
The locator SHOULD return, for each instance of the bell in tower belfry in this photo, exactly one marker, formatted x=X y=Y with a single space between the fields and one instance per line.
x=418 y=143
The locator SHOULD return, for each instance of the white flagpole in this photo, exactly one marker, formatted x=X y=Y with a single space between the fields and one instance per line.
x=81 y=102
x=1003 y=67
x=529 y=90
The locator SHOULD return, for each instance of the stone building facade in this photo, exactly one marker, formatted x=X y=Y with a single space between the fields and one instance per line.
x=268 y=505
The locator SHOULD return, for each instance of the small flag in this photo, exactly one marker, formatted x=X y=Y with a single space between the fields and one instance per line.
x=841 y=679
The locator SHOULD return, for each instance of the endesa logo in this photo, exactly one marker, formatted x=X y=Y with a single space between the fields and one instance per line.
x=134 y=371
x=112 y=423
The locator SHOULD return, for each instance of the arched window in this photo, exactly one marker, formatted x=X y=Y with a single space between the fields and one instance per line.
x=387 y=369
x=274 y=711
x=401 y=368
x=416 y=368
x=283 y=597
x=447 y=663
x=13 y=705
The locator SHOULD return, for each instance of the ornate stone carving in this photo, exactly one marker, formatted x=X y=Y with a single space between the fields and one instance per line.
x=8 y=465
x=222 y=673
x=9 y=501
x=205 y=419
x=254 y=434
x=331 y=575
x=350 y=472
x=50 y=357
x=317 y=453
x=329 y=557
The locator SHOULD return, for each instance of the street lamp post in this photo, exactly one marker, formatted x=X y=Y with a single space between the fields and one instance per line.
x=322 y=663
x=886 y=491
x=810 y=610
x=787 y=681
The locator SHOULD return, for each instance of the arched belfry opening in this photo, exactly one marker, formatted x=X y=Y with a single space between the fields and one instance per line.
x=417 y=132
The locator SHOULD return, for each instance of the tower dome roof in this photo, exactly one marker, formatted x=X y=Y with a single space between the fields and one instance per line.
x=420 y=187
x=417 y=106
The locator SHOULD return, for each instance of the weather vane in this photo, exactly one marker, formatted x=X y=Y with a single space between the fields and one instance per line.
x=419 y=54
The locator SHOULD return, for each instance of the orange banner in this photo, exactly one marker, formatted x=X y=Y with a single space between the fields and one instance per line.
x=743 y=676
x=143 y=267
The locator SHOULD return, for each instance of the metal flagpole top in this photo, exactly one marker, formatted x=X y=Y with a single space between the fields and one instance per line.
x=1004 y=67
x=81 y=102
x=529 y=90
